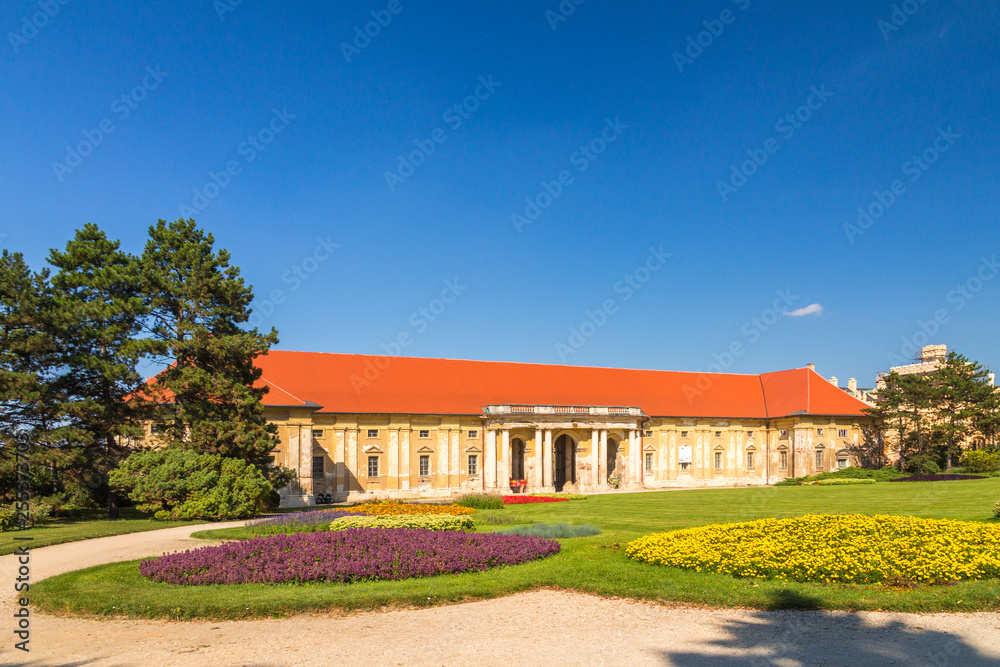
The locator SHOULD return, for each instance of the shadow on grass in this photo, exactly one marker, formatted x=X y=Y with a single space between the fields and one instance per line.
x=797 y=633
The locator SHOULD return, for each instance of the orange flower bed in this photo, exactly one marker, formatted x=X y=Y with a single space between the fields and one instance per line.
x=392 y=507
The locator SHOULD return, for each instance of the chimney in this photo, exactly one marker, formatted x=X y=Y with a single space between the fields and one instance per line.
x=833 y=381
x=852 y=386
x=811 y=367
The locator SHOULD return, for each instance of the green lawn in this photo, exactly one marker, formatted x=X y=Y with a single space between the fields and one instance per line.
x=592 y=564
x=83 y=525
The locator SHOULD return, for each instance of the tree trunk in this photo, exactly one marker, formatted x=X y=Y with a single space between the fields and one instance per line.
x=112 y=504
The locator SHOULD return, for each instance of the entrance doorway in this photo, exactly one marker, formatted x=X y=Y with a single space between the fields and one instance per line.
x=517 y=458
x=564 y=462
x=612 y=461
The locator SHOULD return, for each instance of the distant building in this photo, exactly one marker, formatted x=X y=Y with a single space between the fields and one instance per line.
x=355 y=426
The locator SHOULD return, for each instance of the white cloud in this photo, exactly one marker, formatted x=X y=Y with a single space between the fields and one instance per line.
x=811 y=309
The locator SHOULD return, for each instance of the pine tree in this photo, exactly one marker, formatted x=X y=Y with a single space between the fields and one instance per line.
x=963 y=402
x=197 y=304
x=96 y=294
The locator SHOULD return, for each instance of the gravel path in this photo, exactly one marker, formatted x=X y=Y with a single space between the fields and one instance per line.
x=538 y=628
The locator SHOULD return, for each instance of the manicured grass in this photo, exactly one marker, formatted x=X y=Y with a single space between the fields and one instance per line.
x=83 y=525
x=588 y=564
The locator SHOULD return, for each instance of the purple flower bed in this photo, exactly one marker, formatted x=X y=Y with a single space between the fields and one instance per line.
x=935 y=478
x=296 y=522
x=355 y=554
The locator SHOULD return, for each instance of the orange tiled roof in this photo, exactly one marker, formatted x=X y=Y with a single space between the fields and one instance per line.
x=354 y=383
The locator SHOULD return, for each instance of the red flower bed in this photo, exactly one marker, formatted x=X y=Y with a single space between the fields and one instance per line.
x=523 y=500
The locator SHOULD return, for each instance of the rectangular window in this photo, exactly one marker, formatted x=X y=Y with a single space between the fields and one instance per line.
x=819 y=431
x=684 y=434
x=783 y=460
x=749 y=435
x=718 y=460
x=685 y=466
x=424 y=433
x=649 y=434
x=819 y=460
x=473 y=464
x=373 y=433
x=318 y=466
x=649 y=461
x=317 y=433
x=842 y=433
x=783 y=433
x=749 y=460
x=425 y=465
x=473 y=434
x=373 y=466
x=718 y=434
x=841 y=463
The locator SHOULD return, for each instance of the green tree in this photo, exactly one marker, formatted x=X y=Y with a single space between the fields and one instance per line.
x=198 y=305
x=184 y=484
x=963 y=402
x=96 y=294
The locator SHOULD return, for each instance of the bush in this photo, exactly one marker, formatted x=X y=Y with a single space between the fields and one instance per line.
x=981 y=460
x=882 y=475
x=480 y=501
x=421 y=521
x=8 y=518
x=996 y=510
x=38 y=511
x=553 y=530
x=938 y=478
x=839 y=482
x=922 y=464
x=182 y=484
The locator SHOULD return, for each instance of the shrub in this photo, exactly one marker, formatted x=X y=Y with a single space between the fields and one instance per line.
x=996 y=510
x=422 y=521
x=553 y=530
x=357 y=554
x=481 y=501
x=832 y=548
x=937 y=478
x=389 y=507
x=922 y=464
x=882 y=475
x=524 y=500
x=183 y=484
x=39 y=509
x=845 y=481
x=8 y=518
x=981 y=460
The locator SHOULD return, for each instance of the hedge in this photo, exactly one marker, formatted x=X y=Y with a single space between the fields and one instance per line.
x=423 y=521
x=839 y=482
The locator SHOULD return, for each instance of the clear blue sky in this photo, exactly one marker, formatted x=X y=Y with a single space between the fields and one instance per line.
x=680 y=120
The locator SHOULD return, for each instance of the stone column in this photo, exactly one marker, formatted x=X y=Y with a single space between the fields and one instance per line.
x=634 y=458
x=595 y=451
x=503 y=467
x=392 y=457
x=548 y=479
x=404 y=460
x=490 y=462
x=455 y=479
x=444 y=437
x=306 y=457
x=602 y=461
x=536 y=474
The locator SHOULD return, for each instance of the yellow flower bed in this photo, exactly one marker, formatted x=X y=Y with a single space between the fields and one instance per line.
x=392 y=507
x=840 y=548
x=424 y=521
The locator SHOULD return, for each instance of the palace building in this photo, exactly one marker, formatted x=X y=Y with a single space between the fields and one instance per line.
x=358 y=426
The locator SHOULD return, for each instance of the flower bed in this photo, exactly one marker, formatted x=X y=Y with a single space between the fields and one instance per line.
x=561 y=496
x=391 y=507
x=832 y=548
x=937 y=478
x=356 y=554
x=523 y=500
x=423 y=521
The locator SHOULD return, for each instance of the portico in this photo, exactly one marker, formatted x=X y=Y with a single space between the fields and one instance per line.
x=562 y=448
